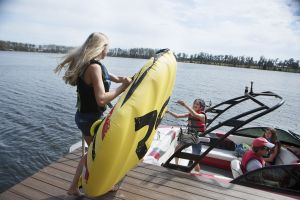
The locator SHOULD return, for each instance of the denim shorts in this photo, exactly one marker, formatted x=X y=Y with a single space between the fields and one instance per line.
x=196 y=148
x=84 y=121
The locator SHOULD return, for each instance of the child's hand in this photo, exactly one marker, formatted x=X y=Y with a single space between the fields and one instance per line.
x=180 y=102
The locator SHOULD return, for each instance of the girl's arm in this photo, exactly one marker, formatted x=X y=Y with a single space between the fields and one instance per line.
x=116 y=79
x=177 y=115
x=102 y=97
x=273 y=154
x=194 y=113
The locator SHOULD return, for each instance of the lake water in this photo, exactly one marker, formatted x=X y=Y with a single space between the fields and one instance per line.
x=37 y=108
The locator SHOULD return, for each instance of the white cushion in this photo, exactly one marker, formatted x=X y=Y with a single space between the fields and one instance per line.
x=285 y=157
x=220 y=153
x=236 y=168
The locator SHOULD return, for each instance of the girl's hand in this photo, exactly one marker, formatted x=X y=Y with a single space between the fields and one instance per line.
x=122 y=79
x=126 y=82
x=180 y=102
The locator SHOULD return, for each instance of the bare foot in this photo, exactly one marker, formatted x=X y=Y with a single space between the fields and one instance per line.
x=74 y=191
x=115 y=187
x=198 y=172
x=197 y=168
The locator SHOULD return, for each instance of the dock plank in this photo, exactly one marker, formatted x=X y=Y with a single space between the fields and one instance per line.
x=173 y=187
x=194 y=180
x=12 y=196
x=57 y=173
x=164 y=191
x=191 y=183
x=144 y=182
x=45 y=188
x=30 y=193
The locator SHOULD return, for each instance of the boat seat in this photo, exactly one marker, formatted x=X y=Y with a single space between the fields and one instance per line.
x=285 y=157
x=236 y=168
x=220 y=154
x=240 y=139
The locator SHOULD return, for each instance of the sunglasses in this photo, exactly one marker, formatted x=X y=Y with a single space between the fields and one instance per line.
x=266 y=148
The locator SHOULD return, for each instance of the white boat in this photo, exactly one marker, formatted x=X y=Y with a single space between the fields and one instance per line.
x=165 y=141
x=219 y=156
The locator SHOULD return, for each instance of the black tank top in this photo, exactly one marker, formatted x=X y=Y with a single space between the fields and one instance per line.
x=86 y=100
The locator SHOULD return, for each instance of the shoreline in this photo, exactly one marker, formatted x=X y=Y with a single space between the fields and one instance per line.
x=278 y=69
x=248 y=67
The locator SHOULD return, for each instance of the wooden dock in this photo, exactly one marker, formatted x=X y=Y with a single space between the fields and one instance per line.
x=143 y=182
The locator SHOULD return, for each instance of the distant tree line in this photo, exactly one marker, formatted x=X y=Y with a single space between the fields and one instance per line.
x=289 y=65
x=16 y=46
x=132 y=53
x=263 y=63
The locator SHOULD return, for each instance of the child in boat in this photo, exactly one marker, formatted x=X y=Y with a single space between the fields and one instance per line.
x=271 y=136
x=196 y=125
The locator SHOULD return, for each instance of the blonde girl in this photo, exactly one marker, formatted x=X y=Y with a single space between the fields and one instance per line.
x=83 y=69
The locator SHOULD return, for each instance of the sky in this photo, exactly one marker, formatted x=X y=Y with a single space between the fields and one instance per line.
x=269 y=28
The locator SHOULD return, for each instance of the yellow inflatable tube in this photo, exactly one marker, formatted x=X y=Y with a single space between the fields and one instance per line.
x=125 y=135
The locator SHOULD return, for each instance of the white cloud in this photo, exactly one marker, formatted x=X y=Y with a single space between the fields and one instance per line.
x=249 y=27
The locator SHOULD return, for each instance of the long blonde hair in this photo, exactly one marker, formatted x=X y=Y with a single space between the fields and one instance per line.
x=75 y=61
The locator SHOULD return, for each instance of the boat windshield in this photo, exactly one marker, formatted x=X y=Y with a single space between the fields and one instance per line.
x=284 y=137
x=284 y=178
